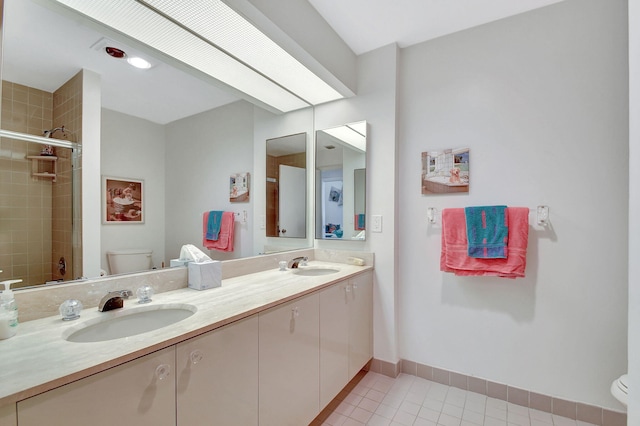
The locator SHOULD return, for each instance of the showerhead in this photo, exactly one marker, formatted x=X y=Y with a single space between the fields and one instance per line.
x=49 y=133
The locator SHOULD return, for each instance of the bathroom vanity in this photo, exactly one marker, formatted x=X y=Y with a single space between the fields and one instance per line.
x=269 y=348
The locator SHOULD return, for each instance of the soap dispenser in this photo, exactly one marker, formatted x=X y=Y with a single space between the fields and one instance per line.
x=8 y=311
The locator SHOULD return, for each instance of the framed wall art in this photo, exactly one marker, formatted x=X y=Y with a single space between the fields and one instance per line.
x=122 y=200
x=445 y=172
x=239 y=187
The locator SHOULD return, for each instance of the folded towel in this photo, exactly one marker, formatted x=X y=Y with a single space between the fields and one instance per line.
x=487 y=231
x=225 y=237
x=359 y=220
x=213 y=224
x=454 y=255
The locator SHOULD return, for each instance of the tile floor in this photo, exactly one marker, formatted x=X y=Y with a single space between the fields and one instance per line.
x=407 y=400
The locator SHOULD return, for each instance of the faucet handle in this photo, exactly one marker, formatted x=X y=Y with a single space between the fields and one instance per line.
x=70 y=309
x=144 y=294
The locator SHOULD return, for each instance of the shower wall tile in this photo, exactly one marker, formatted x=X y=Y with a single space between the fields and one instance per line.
x=28 y=110
x=67 y=112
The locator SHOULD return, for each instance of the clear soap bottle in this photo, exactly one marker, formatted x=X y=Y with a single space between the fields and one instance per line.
x=8 y=311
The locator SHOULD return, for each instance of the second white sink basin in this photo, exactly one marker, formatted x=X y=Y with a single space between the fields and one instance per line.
x=314 y=271
x=128 y=322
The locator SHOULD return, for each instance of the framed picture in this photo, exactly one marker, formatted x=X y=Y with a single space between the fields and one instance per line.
x=122 y=200
x=239 y=187
x=445 y=172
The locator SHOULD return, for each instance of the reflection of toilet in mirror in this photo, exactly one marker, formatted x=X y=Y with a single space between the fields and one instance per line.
x=132 y=260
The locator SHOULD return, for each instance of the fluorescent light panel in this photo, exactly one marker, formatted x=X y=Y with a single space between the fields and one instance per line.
x=349 y=135
x=137 y=21
x=228 y=30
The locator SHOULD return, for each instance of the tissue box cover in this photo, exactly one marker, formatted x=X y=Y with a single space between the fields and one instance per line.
x=178 y=262
x=205 y=275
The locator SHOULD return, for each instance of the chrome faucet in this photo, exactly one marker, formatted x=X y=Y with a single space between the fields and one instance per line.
x=293 y=263
x=114 y=300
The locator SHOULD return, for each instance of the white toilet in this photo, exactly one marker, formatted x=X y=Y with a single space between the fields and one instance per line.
x=132 y=260
x=620 y=390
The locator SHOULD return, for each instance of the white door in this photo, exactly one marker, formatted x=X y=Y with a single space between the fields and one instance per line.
x=292 y=195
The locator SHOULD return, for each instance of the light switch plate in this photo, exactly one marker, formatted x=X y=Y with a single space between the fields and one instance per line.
x=376 y=223
x=263 y=221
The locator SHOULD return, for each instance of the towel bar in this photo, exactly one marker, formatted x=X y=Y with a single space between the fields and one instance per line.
x=542 y=215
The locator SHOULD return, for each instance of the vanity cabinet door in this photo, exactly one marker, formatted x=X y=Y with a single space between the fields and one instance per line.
x=360 y=321
x=8 y=415
x=139 y=392
x=334 y=341
x=289 y=363
x=217 y=379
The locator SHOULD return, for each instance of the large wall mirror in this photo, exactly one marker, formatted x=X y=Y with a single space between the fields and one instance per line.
x=286 y=212
x=340 y=161
x=182 y=133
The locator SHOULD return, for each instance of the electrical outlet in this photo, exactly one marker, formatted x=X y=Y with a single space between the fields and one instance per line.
x=376 y=223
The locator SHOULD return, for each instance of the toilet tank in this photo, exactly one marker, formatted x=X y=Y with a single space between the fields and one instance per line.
x=131 y=260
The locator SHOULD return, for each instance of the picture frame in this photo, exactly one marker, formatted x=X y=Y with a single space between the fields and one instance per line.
x=239 y=187
x=122 y=200
x=445 y=171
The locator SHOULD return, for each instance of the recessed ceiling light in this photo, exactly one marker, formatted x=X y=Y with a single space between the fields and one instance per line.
x=139 y=62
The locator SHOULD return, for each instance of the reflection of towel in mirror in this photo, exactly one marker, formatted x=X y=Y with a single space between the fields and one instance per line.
x=454 y=257
x=225 y=238
x=213 y=225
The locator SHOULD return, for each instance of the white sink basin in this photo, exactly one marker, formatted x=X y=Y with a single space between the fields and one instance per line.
x=314 y=271
x=128 y=322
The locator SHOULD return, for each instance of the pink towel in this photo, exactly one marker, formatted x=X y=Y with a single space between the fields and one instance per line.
x=225 y=237
x=454 y=257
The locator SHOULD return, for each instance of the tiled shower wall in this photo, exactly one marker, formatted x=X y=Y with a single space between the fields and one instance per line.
x=67 y=112
x=25 y=202
x=35 y=213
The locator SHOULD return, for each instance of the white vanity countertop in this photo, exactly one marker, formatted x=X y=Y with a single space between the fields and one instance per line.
x=38 y=358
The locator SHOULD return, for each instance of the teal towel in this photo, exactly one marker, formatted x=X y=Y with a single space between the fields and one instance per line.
x=213 y=225
x=487 y=231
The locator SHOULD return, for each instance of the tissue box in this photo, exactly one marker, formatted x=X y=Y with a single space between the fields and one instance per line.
x=178 y=262
x=205 y=275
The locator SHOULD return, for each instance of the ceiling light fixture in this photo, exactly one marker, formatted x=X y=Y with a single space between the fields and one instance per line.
x=212 y=38
x=351 y=134
x=138 y=62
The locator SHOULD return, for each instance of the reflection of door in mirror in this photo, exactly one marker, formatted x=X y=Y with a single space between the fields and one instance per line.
x=286 y=186
x=340 y=182
x=291 y=199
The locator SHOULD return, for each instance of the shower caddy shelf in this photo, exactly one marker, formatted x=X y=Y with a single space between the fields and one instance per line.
x=37 y=158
